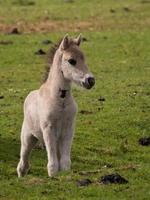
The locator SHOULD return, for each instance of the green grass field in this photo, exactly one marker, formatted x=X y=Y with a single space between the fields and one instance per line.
x=107 y=133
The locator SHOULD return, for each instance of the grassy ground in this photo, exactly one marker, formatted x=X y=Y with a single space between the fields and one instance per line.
x=106 y=139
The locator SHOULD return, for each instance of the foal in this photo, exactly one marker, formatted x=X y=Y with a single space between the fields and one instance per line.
x=49 y=112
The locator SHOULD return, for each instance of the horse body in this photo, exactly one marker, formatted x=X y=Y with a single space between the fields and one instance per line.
x=49 y=113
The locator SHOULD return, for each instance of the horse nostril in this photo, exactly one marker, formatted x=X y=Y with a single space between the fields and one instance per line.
x=91 y=81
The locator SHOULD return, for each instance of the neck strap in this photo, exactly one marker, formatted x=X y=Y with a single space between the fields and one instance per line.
x=63 y=93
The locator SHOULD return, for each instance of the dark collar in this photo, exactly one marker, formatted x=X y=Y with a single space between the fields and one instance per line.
x=63 y=93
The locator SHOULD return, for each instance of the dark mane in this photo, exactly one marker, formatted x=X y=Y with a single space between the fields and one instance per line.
x=50 y=56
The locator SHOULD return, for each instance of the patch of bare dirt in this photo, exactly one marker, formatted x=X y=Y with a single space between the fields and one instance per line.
x=46 y=26
x=35 y=181
x=86 y=112
x=40 y=52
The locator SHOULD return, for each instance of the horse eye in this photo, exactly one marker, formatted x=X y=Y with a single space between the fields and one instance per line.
x=72 y=61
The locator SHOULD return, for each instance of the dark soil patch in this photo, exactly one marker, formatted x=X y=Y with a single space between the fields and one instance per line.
x=47 y=42
x=85 y=112
x=14 y=30
x=126 y=9
x=113 y=178
x=83 y=182
x=147 y=93
x=145 y=141
x=84 y=39
x=112 y=10
x=101 y=99
x=100 y=108
x=1 y=97
x=40 y=52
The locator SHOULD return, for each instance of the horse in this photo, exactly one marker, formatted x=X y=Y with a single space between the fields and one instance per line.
x=50 y=111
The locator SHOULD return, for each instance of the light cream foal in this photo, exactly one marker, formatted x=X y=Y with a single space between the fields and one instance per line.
x=49 y=112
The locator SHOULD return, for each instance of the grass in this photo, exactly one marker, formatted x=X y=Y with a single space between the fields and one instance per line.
x=106 y=139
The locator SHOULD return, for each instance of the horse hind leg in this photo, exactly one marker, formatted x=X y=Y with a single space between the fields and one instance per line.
x=28 y=141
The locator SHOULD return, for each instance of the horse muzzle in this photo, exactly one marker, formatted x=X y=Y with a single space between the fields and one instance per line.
x=89 y=82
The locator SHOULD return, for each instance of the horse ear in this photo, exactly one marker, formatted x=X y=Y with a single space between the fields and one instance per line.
x=78 y=40
x=65 y=42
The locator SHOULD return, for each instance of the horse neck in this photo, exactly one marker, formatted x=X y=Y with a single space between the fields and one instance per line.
x=56 y=81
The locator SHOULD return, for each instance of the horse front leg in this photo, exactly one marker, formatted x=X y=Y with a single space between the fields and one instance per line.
x=49 y=136
x=65 y=146
x=28 y=141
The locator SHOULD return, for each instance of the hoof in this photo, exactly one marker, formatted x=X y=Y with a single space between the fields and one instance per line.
x=22 y=169
x=65 y=165
x=52 y=169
